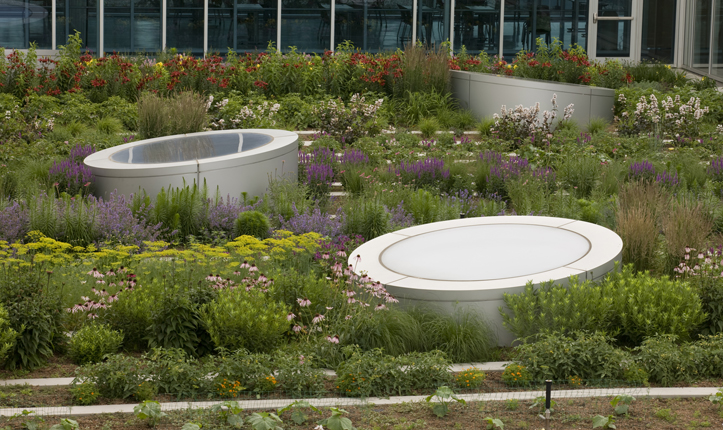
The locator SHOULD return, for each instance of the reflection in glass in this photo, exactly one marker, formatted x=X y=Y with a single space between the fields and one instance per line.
x=23 y=22
x=658 y=40
x=306 y=24
x=432 y=21
x=184 y=23
x=699 y=57
x=132 y=26
x=81 y=16
x=526 y=21
x=717 y=69
x=242 y=25
x=477 y=26
x=375 y=25
x=613 y=36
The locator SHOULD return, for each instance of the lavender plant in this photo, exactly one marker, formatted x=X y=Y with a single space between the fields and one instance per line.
x=71 y=176
x=427 y=172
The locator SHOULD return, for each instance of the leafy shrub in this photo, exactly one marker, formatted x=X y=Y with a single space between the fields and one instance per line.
x=245 y=319
x=34 y=314
x=241 y=370
x=578 y=306
x=470 y=378
x=116 y=378
x=516 y=374
x=8 y=336
x=653 y=305
x=109 y=125
x=580 y=174
x=667 y=362
x=252 y=223
x=92 y=342
x=180 y=374
x=590 y=356
x=348 y=121
x=297 y=376
x=372 y=373
x=84 y=393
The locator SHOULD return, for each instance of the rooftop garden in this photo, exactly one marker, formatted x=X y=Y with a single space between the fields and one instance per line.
x=257 y=290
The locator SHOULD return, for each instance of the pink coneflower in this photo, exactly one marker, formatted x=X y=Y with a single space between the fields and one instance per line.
x=237 y=273
x=334 y=339
x=112 y=298
x=380 y=307
x=244 y=265
x=358 y=258
x=296 y=328
x=348 y=317
x=100 y=281
x=262 y=278
x=253 y=268
x=85 y=298
x=110 y=273
x=328 y=308
x=325 y=256
x=92 y=316
x=351 y=300
x=318 y=318
x=290 y=316
x=301 y=359
x=304 y=302
x=390 y=299
x=341 y=253
x=350 y=293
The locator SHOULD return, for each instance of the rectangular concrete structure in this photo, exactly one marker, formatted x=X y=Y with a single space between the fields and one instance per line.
x=484 y=94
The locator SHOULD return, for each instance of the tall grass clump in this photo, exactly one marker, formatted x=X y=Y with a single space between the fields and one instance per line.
x=639 y=206
x=580 y=174
x=178 y=114
x=463 y=336
x=597 y=125
x=685 y=224
x=394 y=331
x=425 y=70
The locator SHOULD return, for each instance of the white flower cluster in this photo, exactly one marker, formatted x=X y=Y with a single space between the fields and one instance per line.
x=349 y=121
x=669 y=117
x=260 y=116
x=522 y=122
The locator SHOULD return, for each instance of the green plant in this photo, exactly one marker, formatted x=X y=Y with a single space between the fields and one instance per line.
x=470 y=378
x=117 y=378
x=516 y=374
x=512 y=404
x=181 y=113
x=493 y=423
x=297 y=414
x=463 y=336
x=149 y=410
x=92 y=342
x=66 y=424
x=580 y=174
x=443 y=396
x=191 y=426
x=109 y=125
x=666 y=415
x=597 y=125
x=717 y=398
x=252 y=223
x=229 y=412
x=621 y=403
x=241 y=319
x=607 y=422
x=85 y=393
x=429 y=127
x=264 y=421
x=568 y=125
x=146 y=391
x=337 y=420
x=484 y=128
x=178 y=373
x=298 y=377
x=34 y=313
x=8 y=336
x=636 y=375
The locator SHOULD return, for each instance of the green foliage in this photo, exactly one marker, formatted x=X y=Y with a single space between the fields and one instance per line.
x=717 y=398
x=470 y=378
x=183 y=211
x=463 y=336
x=337 y=420
x=92 y=342
x=516 y=374
x=429 y=127
x=84 y=393
x=577 y=306
x=179 y=374
x=181 y=113
x=118 y=377
x=621 y=403
x=109 y=125
x=149 y=410
x=590 y=356
x=34 y=314
x=666 y=415
x=444 y=396
x=229 y=412
x=66 y=424
x=607 y=422
x=394 y=331
x=297 y=414
x=8 y=336
x=665 y=361
x=240 y=319
x=298 y=377
x=580 y=175
x=493 y=423
x=252 y=223
x=484 y=128
x=372 y=373
x=597 y=125
x=264 y=421
x=366 y=217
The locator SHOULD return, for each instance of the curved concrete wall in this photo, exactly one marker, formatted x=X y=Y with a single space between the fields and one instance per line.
x=485 y=94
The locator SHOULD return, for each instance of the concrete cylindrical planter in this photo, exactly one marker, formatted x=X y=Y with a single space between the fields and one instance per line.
x=485 y=94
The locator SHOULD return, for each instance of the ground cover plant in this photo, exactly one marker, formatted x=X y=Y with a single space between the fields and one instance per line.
x=260 y=289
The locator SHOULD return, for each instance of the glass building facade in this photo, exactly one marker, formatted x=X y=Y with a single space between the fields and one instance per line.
x=684 y=33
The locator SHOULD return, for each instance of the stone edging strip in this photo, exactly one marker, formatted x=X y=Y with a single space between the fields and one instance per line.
x=61 y=382
x=677 y=392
